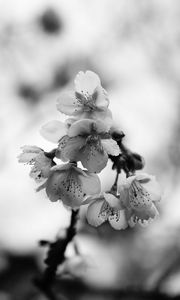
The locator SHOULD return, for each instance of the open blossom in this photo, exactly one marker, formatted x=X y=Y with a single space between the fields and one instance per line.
x=88 y=141
x=106 y=207
x=41 y=164
x=139 y=196
x=89 y=100
x=71 y=185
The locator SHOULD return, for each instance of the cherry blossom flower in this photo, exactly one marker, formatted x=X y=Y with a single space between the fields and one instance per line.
x=89 y=142
x=41 y=164
x=71 y=185
x=89 y=100
x=106 y=207
x=139 y=196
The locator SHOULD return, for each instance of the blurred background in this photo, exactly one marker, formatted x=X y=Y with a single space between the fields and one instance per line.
x=134 y=46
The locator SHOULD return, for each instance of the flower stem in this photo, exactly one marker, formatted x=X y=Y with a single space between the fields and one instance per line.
x=114 y=187
x=55 y=257
x=116 y=179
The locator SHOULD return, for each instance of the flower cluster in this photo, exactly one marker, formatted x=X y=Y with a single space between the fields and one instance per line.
x=88 y=137
x=134 y=203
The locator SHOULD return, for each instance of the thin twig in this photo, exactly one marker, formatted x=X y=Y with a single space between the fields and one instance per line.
x=114 y=187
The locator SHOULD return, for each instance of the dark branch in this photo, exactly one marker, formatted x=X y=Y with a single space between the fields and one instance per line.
x=55 y=257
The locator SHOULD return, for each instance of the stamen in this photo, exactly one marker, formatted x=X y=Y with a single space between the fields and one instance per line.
x=85 y=99
x=114 y=213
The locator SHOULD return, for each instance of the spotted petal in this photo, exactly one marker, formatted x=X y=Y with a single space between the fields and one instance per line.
x=71 y=185
x=65 y=186
x=139 y=197
x=53 y=131
x=86 y=82
x=118 y=220
x=151 y=185
x=94 y=216
x=29 y=153
x=52 y=185
x=41 y=167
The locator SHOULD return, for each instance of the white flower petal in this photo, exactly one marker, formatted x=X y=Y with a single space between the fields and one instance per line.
x=143 y=177
x=123 y=191
x=86 y=82
x=118 y=221
x=69 y=122
x=154 y=189
x=53 y=185
x=139 y=197
x=129 y=180
x=132 y=221
x=93 y=158
x=81 y=127
x=113 y=201
x=100 y=126
x=72 y=193
x=90 y=199
x=53 y=131
x=31 y=149
x=59 y=151
x=148 y=213
x=91 y=185
x=101 y=99
x=26 y=157
x=64 y=167
x=110 y=146
x=65 y=185
x=70 y=151
x=28 y=154
x=44 y=164
x=150 y=183
x=36 y=174
x=104 y=116
x=71 y=185
x=94 y=217
x=68 y=103
x=41 y=187
x=86 y=126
